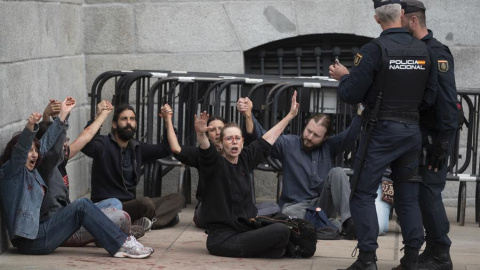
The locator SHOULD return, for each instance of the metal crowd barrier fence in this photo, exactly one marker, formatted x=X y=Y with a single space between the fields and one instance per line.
x=189 y=93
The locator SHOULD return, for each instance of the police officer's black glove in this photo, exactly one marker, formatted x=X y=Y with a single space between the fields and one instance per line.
x=437 y=155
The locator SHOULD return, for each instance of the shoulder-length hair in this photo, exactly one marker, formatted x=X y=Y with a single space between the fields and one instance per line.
x=7 y=153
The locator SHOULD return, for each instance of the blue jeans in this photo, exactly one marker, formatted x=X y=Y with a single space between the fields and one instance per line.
x=110 y=203
x=55 y=230
x=383 y=212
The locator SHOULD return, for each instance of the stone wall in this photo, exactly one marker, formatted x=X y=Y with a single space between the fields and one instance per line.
x=54 y=49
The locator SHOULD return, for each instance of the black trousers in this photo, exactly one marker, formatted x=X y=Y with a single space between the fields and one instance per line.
x=265 y=242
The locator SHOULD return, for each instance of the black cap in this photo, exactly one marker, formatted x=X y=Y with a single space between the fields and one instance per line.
x=411 y=6
x=379 y=3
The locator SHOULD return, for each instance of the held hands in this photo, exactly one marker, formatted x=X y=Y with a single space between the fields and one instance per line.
x=244 y=106
x=337 y=70
x=166 y=112
x=201 y=122
x=32 y=120
x=67 y=105
x=52 y=110
x=104 y=106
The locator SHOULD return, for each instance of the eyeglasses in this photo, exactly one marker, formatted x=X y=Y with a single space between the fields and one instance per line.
x=230 y=139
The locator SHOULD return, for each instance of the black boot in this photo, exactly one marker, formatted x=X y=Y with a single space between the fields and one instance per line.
x=427 y=252
x=365 y=261
x=409 y=261
x=439 y=259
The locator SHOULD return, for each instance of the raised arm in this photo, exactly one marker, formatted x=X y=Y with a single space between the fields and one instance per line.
x=52 y=134
x=244 y=106
x=67 y=105
x=32 y=120
x=272 y=135
x=52 y=110
x=104 y=108
x=201 y=129
x=166 y=114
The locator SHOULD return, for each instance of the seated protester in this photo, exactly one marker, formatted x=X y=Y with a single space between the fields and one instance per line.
x=116 y=170
x=308 y=177
x=53 y=171
x=27 y=232
x=227 y=192
x=190 y=155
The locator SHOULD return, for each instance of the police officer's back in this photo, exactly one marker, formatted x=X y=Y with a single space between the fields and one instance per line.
x=400 y=67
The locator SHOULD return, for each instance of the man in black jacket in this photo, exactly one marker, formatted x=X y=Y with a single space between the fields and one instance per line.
x=116 y=171
x=439 y=132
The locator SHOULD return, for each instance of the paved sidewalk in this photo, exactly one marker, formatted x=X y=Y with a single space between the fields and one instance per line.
x=183 y=247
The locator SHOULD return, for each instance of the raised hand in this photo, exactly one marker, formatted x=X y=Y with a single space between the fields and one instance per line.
x=67 y=105
x=52 y=110
x=166 y=112
x=32 y=120
x=337 y=70
x=104 y=105
x=244 y=106
x=294 y=106
x=201 y=122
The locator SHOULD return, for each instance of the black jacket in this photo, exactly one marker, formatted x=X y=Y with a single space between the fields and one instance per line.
x=227 y=194
x=107 y=176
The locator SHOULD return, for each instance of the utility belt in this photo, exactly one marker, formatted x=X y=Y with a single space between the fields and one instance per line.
x=403 y=117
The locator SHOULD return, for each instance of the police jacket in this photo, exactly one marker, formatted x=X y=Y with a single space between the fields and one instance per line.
x=445 y=112
x=406 y=58
x=107 y=173
x=21 y=190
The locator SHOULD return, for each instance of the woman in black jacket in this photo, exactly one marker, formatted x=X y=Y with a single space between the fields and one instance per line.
x=227 y=192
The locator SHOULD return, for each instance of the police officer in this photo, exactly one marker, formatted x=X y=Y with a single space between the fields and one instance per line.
x=440 y=132
x=393 y=77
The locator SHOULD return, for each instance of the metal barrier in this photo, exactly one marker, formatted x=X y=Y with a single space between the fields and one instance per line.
x=189 y=93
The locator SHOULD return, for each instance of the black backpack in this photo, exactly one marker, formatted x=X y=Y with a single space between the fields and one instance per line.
x=303 y=237
x=324 y=228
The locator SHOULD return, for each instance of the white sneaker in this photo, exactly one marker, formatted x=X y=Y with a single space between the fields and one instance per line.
x=133 y=249
x=140 y=245
x=144 y=222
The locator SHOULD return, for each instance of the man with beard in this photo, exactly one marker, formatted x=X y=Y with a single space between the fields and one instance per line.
x=116 y=171
x=309 y=179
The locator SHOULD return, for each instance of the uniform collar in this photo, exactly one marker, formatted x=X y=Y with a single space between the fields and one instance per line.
x=393 y=30
x=428 y=36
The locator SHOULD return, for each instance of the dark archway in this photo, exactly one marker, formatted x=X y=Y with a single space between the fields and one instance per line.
x=308 y=55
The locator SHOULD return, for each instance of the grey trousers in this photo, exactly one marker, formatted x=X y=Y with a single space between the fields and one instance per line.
x=334 y=199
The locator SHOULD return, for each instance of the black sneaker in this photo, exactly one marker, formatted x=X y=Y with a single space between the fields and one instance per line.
x=173 y=222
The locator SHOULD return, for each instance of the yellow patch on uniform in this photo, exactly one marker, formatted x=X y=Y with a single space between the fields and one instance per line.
x=357 y=60
x=421 y=62
x=442 y=65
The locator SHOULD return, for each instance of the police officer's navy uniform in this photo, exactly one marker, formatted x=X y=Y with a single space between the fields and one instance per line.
x=435 y=219
x=408 y=82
